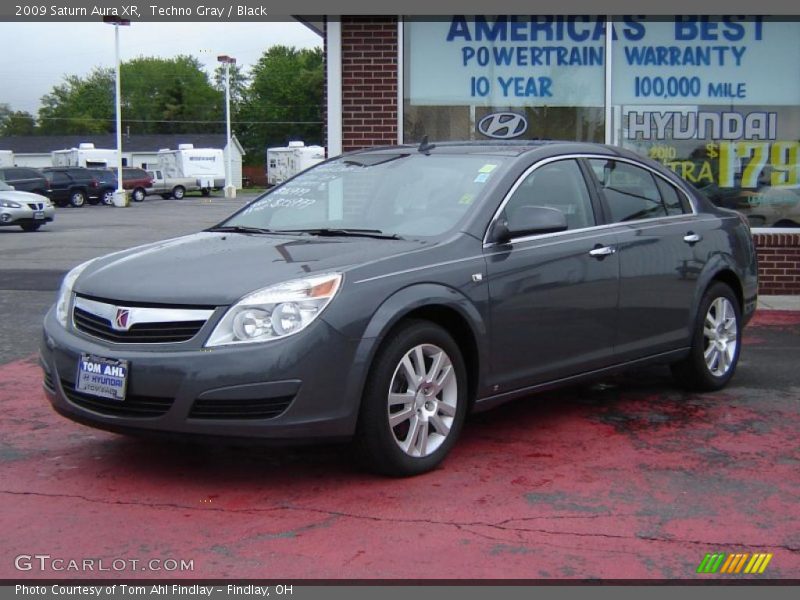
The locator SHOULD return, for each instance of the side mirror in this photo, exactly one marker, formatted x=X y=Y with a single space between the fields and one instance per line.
x=529 y=220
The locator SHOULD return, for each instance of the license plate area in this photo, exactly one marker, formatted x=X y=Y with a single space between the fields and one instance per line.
x=39 y=215
x=102 y=377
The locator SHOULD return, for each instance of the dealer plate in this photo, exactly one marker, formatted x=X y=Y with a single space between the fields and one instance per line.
x=38 y=215
x=102 y=377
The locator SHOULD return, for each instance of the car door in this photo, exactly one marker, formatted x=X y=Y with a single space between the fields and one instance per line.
x=554 y=296
x=661 y=253
x=59 y=185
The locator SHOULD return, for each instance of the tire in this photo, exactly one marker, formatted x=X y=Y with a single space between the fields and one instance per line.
x=205 y=192
x=716 y=342
x=31 y=226
x=108 y=197
x=427 y=423
x=178 y=192
x=138 y=194
x=77 y=198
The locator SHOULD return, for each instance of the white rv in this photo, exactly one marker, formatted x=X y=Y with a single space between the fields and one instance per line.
x=288 y=161
x=205 y=165
x=6 y=158
x=85 y=155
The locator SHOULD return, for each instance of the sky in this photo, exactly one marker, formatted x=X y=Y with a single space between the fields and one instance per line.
x=37 y=56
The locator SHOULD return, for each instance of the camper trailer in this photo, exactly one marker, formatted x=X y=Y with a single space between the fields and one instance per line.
x=85 y=155
x=205 y=165
x=286 y=162
x=6 y=158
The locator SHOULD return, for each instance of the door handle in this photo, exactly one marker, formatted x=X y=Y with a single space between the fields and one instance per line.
x=602 y=251
x=691 y=238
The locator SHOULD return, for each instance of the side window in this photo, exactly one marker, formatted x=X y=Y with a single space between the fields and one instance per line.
x=59 y=177
x=558 y=185
x=671 y=197
x=630 y=192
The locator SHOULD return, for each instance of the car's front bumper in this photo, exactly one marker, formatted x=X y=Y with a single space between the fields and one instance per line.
x=25 y=215
x=308 y=372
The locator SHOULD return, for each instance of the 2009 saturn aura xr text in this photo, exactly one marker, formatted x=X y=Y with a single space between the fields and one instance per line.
x=383 y=294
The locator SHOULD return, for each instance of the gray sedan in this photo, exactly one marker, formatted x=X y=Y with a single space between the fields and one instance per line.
x=382 y=295
x=27 y=210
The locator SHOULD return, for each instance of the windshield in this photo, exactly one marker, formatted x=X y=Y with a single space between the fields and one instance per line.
x=4 y=187
x=403 y=194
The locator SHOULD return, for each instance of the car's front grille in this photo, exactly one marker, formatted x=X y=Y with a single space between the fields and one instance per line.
x=140 y=333
x=257 y=408
x=36 y=205
x=132 y=406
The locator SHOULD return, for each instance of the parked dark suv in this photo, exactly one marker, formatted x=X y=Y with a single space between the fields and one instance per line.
x=26 y=179
x=72 y=185
x=107 y=183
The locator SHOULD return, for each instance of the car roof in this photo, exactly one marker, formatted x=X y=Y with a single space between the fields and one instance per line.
x=511 y=148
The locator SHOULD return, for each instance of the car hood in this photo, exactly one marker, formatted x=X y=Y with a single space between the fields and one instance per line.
x=219 y=268
x=18 y=196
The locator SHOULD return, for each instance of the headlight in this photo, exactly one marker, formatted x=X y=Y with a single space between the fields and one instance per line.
x=65 y=293
x=10 y=204
x=276 y=311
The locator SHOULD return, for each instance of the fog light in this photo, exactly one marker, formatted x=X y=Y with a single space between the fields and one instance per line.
x=286 y=318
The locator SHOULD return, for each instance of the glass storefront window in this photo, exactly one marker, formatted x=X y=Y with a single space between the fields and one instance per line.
x=717 y=100
x=504 y=77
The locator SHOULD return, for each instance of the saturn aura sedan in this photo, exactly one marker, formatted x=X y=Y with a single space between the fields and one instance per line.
x=382 y=295
x=24 y=209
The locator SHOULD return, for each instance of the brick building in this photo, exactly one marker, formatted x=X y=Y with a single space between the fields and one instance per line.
x=716 y=117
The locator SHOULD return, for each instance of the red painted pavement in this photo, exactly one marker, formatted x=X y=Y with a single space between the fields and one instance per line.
x=633 y=479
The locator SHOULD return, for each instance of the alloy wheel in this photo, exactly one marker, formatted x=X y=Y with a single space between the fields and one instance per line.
x=720 y=335
x=422 y=400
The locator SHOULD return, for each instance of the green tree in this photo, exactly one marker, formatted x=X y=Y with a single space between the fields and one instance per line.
x=239 y=84
x=283 y=102
x=169 y=96
x=80 y=105
x=16 y=122
x=158 y=96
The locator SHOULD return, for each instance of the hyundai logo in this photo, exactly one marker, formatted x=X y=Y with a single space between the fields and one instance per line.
x=503 y=125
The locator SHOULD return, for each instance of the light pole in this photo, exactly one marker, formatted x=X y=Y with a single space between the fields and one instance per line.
x=120 y=199
x=230 y=189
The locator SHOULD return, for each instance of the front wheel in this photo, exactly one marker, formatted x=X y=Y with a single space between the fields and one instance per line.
x=138 y=195
x=414 y=401
x=716 y=342
x=205 y=191
x=108 y=197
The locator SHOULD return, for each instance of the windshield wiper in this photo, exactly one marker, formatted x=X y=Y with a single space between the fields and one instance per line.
x=330 y=232
x=240 y=229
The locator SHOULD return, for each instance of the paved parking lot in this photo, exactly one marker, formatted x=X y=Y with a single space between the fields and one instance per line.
x=626 y=478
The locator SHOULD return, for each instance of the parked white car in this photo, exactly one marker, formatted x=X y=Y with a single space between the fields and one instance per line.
x=27 y=210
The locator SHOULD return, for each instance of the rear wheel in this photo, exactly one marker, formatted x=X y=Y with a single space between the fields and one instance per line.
x=414 y=402
x=31 y=226
x=108 y=197
x=138 y=194
x=178 y=192
x=77 y=199
x=716 y=342
x=205 y=191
